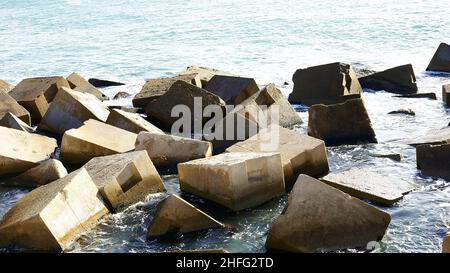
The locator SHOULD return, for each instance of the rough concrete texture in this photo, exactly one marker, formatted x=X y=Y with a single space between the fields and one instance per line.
x=124 y=179
x=51 y=217
x=235 y=180
x=94 y=139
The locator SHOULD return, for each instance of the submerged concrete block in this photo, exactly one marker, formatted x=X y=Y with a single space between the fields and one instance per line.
x=51 y=217
x=319 y=217
x=94 y=139
x=233 y=90
x=434 y=160
x=124 y=179
x=175 y=215
x=366 y=184
x=345 y=123
x=235 y=180
x=325 y=84
x=441 y=59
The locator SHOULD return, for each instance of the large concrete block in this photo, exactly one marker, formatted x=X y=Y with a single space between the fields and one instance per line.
x=238 y=125
x=184 y=94
x=46 y=172
x=235 y=180
x=204 y=73
x=400 y=80
x=288 y=117
x=345 y=123
x=446 y=94
x=94 y=139
x=153 y=89
x=434 y=160
x=35 y=94
x=168 y=150
x=21 y=151
x=329 y=83
x=5 y=87
x=176 y=216
x=80 y=84
x=11 y=121
x=51 y=217
x=366 y=184
x=131 y=122
x=300 y=154
x=432 y=137
x=124 y=179
x=446 y=244
x=269 y=106
x=70 y=109
x=8 y=104
x=441 y=59
x=233 y=90
x=319 y=217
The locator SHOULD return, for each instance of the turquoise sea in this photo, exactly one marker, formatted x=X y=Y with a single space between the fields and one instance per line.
x=130 y=41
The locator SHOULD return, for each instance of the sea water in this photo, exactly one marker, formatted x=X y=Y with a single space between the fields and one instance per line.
x=131 y=41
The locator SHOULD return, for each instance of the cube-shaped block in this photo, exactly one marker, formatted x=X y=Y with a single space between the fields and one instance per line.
x=94 y=139
x=235 y=180
x=51 y=217
x=35 y=94
x=21 y=150
x=124 y=179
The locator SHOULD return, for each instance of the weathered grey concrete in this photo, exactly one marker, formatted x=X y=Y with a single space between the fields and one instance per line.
x=80 y=84
x=446 y=94
x=446 y=244
x=153 y=89
x=328 y=83
x=124 y=179
x=51 y=217
x=16 y=154
x=233 y=90
x=441 y=59
x=176 y=216
x=181 y=93
x=366 y=184
x=5 y=87
x=319 y=217
x=435 y=136
x=434 y=160
x=70 y=109
x=8 y=104
x=94 y=139
x=299 y=153
x=11 y=121
x=35 y=94
x=400 y=80
x=235 y=180
x=46 y=172
x=168 y=150
x=131 y=122
x=345 y=123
